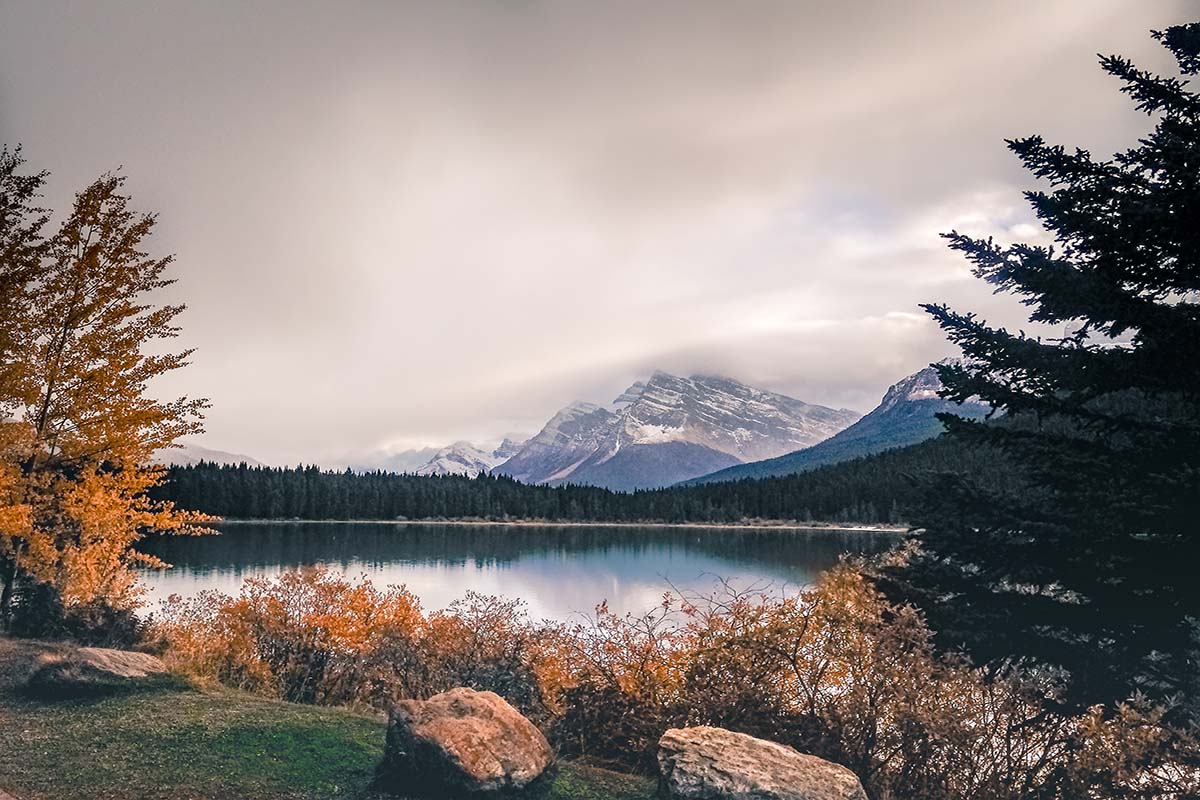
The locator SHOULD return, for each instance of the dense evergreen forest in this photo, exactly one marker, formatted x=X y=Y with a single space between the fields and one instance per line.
x=873 y=489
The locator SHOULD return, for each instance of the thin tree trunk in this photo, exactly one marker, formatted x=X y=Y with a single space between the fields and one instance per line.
x=8 y=575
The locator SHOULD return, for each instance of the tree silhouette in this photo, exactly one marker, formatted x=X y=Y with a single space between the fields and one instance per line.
x=1088 y=565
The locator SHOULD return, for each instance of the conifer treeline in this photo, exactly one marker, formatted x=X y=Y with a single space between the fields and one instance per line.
x=874 y=489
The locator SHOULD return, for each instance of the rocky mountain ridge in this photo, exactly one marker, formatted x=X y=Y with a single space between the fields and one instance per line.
x=668 y=429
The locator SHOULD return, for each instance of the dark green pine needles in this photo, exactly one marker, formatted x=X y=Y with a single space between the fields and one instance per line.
x=1090 y=565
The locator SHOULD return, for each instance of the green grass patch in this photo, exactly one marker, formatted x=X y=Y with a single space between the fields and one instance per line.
x=183 y=743
x=573 y=781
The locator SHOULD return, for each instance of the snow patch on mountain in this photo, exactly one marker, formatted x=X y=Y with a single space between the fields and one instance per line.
x=652 y=434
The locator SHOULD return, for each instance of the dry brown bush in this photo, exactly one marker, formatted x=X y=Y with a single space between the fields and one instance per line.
x=833 y=670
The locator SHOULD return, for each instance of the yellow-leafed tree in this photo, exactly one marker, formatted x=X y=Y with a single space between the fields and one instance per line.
x=80 y=340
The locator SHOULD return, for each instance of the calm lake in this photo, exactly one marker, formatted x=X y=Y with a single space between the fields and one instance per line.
x=559 y=571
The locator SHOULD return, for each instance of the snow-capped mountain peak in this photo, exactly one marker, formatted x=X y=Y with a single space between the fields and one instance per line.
x=465 y=458
x=728 y=416
x=670 y=428
x=922 y=385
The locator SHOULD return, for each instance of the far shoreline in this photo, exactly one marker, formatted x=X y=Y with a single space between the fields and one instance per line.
x=745 y=526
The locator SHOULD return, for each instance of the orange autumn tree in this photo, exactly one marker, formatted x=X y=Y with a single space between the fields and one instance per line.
x=81 y=342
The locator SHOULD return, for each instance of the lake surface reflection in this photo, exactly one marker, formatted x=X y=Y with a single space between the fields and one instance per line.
x=560 y=571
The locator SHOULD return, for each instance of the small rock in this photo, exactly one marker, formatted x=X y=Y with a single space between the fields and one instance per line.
x=94 y=670
x=461 y=741
x=704 y=763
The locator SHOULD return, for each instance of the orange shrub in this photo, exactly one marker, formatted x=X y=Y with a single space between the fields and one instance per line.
x=832 y=670
x=308 y=636
x=312 y=636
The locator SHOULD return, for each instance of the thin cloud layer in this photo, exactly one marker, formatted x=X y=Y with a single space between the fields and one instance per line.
x=411 y=224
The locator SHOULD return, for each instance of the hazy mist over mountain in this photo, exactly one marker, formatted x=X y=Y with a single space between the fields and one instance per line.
x=413 y=225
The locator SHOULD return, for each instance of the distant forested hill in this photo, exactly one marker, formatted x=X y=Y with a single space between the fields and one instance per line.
x=874 y=489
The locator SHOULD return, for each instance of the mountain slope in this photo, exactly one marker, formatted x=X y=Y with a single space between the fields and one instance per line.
x=646 y=466
x=570 y=437
x=906 y=415
x=669 y=429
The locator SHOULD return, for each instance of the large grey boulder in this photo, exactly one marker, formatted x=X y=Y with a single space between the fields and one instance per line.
x=704 y=763
x=461 y=741
x=95 y=670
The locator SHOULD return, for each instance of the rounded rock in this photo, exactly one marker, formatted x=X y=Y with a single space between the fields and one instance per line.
x=461 y=741
x=705 y=763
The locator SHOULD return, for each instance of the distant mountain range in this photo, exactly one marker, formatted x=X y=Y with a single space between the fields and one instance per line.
x=906 y=415
x=191 y=453
x=670 y=430
x=464 y=458
x=390 y=460
x=667 y=430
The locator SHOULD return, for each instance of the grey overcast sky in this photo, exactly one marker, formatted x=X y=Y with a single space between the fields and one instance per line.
x=408 y=223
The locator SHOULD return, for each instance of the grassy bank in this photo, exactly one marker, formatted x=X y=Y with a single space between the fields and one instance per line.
x=185 y=743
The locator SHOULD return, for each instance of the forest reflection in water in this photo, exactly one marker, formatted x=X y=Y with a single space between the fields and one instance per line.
x=559 y=571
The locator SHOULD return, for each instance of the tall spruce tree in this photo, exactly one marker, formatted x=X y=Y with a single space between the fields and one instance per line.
x=1090 y=566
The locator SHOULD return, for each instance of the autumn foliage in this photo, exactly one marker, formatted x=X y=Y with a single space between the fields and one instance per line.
x=80 y=342
x=833 y=670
